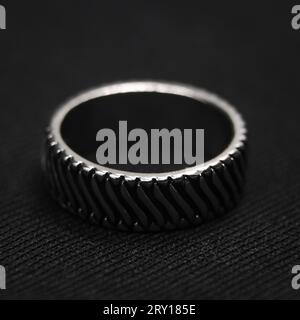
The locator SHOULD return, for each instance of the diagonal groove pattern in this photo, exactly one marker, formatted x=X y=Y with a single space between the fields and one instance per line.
x=143 y=206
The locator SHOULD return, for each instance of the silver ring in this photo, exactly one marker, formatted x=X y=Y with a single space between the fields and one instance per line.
x=146 y=201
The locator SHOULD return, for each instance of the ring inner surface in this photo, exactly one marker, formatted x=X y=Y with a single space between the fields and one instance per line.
x=145 y=110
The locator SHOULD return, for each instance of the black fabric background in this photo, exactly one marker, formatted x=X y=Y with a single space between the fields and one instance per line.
x=245 y=51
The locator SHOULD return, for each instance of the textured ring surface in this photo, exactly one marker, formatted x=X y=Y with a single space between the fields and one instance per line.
x=145 y=201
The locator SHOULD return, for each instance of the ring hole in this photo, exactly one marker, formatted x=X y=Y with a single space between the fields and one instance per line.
x=145 y=110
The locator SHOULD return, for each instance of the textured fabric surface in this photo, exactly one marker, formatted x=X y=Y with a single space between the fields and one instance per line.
x=248 y=54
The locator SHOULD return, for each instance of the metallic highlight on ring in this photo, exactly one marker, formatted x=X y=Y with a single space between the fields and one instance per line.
x=135 y=201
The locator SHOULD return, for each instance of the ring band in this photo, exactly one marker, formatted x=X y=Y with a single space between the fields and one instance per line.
x=145 y=201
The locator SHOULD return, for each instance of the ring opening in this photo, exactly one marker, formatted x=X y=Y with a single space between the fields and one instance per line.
x=145 y=110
